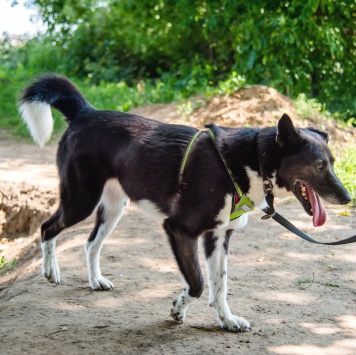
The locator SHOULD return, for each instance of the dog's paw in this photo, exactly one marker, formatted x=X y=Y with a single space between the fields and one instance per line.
x=178 y=310
x=51 y=271
x=101 y=284
x=178 y=316
x=50 y=267
x=235 y=324
x=181 y=305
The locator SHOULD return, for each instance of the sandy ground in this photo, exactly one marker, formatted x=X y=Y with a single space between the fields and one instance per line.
x=299 y=297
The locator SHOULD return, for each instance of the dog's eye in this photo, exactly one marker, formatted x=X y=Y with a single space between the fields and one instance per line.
x=319 y=167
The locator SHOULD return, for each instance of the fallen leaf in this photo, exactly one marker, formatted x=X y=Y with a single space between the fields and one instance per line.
x=343 y=213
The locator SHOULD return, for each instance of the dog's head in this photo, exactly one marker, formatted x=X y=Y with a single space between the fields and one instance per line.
x=306 y=169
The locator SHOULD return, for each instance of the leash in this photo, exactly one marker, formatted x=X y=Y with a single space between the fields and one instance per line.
x=292 y=228
x=187 y=151
x=242 y=204
x=271 y=213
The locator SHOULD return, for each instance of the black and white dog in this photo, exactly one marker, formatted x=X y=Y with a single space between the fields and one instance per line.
x=107 y=157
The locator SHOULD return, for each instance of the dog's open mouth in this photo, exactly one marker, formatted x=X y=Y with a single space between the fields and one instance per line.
x=311 y=203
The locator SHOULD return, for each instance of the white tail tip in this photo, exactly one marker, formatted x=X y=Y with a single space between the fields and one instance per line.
x=38 y=118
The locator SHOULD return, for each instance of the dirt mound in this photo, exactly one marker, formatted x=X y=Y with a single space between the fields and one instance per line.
x=251 y=106
x=255 y=106
x=23 y=208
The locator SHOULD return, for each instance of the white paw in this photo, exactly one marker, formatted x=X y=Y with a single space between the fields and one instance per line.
x=50 y=270
x=50 y=267
x=179 y=308
x=235 y=324
x=178 y=314
x=100 y=283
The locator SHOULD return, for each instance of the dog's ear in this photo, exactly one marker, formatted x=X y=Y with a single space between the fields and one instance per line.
x=323 y=135
x=286 y=132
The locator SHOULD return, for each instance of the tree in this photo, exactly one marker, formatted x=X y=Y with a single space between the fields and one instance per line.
x=295 y=46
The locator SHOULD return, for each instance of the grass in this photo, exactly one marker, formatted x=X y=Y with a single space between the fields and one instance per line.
x=310 y=282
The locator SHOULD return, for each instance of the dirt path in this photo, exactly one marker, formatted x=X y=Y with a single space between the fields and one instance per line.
x=265 y=265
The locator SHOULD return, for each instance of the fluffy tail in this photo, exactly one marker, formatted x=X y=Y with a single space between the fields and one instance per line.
x=35 y=104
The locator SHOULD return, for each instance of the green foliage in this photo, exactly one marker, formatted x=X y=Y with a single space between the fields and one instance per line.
x=307 y=107
x=310 y=282
x=232 y=83
x=294 y=46
x=345 y=168
x=5 y=265
x=109 y=96
x=20 y=63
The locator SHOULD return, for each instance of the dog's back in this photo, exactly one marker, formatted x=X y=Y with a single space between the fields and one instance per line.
x=139 y=152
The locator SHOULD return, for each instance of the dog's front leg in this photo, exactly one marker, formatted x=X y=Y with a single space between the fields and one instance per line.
x=185 y=249
x=50 y=267
x=216 y=248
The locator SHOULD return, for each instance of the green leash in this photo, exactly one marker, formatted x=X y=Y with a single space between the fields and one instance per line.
x=241 y=204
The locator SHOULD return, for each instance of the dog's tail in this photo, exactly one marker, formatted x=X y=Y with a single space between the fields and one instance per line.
x=35 y=105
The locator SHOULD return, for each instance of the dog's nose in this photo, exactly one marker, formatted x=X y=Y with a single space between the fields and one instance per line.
x=347 y=199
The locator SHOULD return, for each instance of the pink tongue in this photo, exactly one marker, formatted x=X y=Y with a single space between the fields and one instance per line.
x=319 y=214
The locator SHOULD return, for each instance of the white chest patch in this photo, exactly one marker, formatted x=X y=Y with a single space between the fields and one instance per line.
x=256 y=193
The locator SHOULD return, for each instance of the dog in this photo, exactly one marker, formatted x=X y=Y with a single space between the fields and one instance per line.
x=105 y=158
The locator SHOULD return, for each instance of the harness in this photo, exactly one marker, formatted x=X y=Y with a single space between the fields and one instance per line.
x=240 y=203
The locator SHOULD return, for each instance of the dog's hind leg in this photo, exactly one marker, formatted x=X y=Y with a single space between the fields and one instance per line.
x=185 y=249
x=74 y=207
x=216 y=249
x=49 y=230
x=110 y=210
x=78 y=201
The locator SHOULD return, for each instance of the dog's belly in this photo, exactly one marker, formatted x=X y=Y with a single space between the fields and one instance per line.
x=150 y=209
